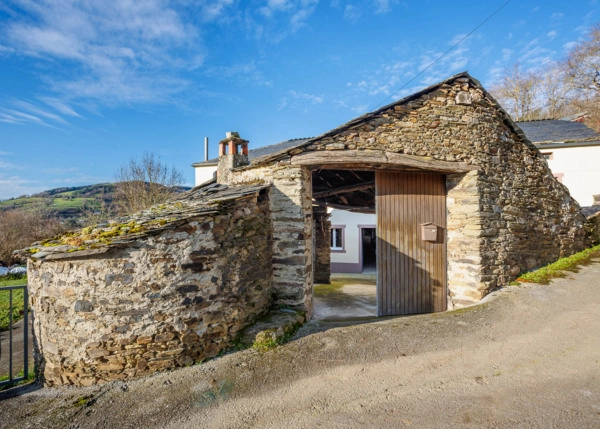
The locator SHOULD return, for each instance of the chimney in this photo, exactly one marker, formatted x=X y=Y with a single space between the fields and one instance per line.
x=206 y=148
x=233 y=153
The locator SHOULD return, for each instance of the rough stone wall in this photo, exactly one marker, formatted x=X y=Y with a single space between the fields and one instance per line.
x=322 y=254
x=523 y=219
x=167 y=300
x=463 y=244
x=593 y=228
x=291 y=214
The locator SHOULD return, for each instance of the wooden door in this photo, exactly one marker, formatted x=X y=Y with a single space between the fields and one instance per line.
x=411 y=271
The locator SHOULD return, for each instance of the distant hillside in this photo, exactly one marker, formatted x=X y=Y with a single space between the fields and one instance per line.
x=65 y=202
x=69 y=203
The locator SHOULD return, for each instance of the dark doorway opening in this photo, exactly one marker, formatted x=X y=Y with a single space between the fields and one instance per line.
x=369 y=250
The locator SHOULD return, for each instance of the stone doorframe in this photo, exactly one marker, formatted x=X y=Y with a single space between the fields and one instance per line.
x=464 y=274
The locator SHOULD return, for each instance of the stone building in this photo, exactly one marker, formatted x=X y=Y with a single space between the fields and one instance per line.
x=464 y=202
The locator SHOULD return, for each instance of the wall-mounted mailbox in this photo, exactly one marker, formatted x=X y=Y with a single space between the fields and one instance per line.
x=429 y=231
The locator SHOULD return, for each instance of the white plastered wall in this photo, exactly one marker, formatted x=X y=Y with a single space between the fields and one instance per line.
x=350 y=221
x=578 y=168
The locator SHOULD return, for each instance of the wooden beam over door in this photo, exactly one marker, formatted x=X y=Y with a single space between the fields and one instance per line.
x=344 y=159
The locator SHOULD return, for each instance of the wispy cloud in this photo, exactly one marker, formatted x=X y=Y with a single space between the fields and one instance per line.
x=46 y=112
x=295 y=99
x=5 y=165
x=295 y=12
x=352 y=13
x=242 y=73
x=117 y=52
x=11 y=186
x=382 y=6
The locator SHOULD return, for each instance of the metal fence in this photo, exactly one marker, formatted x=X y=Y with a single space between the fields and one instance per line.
x=11 y=378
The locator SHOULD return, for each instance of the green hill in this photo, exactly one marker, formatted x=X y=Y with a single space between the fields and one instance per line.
x=65 y=202
x=69 y=203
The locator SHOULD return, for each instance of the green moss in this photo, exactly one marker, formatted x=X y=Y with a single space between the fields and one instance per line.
x=84 y=400
x=265 y=345
x=87 y=230
x=557 y=269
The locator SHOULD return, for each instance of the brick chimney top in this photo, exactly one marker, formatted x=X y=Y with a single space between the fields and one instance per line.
x=232 y=141
x=231 y=155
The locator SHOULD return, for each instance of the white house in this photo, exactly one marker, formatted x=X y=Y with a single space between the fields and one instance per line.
x=572 y=151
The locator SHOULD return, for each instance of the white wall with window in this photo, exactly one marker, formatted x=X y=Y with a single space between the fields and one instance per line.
x=346 y=240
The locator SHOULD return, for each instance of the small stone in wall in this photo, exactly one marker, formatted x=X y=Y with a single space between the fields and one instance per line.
x=464 y=98
x=83 y=306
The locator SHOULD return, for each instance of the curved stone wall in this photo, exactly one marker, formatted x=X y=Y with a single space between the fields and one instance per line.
x=168 y=299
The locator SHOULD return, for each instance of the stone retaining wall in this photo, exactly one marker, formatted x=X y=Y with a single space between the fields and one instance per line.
x=291 y=214
x=165 y=300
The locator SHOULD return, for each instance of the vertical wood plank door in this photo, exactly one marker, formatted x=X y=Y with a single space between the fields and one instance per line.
x=411 y=272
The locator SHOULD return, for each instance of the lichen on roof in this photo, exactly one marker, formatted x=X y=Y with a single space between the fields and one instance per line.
x=94 y=239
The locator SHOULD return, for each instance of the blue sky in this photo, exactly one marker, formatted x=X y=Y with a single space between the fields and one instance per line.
x=87 y=84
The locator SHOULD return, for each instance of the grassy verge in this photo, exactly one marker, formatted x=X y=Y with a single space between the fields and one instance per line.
x=30 y=378
x=5 y=301
x=559 y=268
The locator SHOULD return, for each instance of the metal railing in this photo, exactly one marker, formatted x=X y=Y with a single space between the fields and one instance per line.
x=11 y=379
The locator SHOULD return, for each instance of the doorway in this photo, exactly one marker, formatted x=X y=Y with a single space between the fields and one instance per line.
x=368 y=249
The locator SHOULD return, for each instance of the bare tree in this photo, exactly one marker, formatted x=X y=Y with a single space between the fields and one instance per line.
x=19 y=229
x=518 y=93
x=582 y=73
x=582 y=64
x=142 y=184
x=555 y=94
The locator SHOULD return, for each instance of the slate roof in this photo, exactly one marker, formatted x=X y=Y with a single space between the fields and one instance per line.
x=556 y=130
x=122 y=231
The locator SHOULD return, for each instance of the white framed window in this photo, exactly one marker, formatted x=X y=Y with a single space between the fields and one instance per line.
x=337 y=242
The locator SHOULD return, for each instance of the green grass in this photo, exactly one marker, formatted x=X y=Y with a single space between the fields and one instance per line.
x=30 y=378
x=72 y=203
x=337 y=283
x=5 y=301
x=561 y=267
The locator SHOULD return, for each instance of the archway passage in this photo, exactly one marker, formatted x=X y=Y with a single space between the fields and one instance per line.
x=350 y=291
x=405 y=247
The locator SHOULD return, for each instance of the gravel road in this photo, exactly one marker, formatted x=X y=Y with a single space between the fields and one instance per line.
x=528 y=357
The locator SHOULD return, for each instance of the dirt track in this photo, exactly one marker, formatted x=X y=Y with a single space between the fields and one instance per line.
x=527 y=357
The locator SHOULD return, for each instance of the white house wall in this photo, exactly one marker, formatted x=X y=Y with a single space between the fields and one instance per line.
x=577 y=168
x=204 y=174
x=348 y=260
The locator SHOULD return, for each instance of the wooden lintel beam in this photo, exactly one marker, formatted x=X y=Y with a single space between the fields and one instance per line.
x=344 y=189
x=378 y=159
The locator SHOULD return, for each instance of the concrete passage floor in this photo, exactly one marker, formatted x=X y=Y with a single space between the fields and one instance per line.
x=348 y=296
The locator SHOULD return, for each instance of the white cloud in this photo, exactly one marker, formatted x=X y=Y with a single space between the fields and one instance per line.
x=215 y=9
x=119 y=52
x=506 y=54
x=382 y=6
x=352 y=13
x=297 y=100
x=60 y=106
x=12 y=116
x=552 y=34
x=297 y=11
